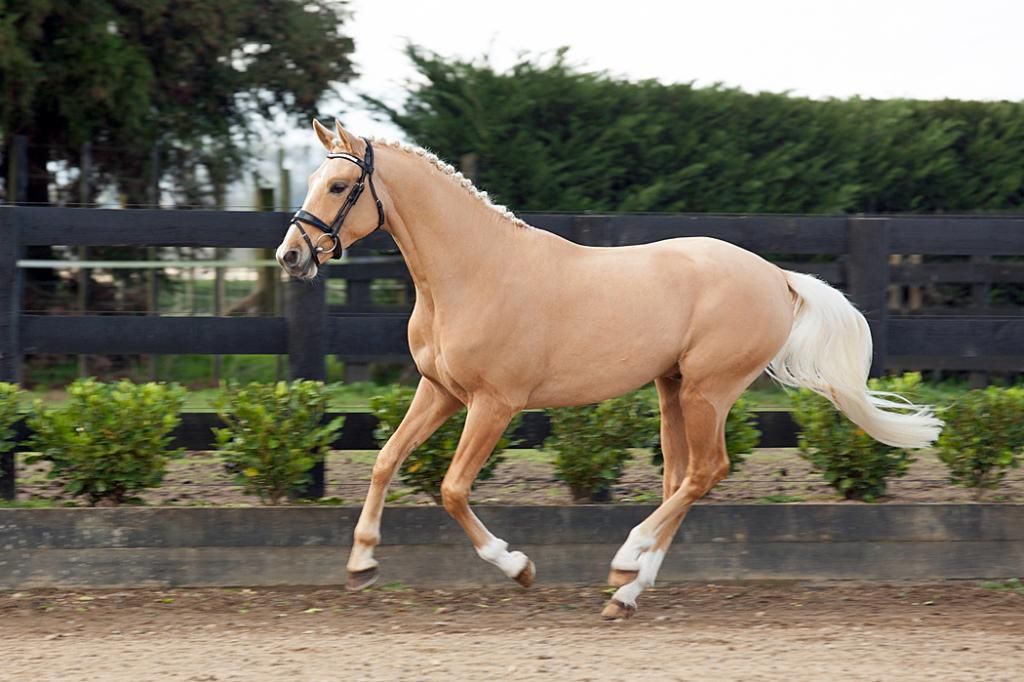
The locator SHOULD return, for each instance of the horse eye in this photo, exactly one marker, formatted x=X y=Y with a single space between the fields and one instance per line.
x=337 y=188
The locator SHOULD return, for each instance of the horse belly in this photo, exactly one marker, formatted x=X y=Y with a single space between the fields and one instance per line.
x=594 y=368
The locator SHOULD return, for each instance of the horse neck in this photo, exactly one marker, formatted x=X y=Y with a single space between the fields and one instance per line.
x=446 y=235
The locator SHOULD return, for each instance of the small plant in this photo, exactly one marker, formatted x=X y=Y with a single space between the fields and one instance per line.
x=983 y=437
x=1011 y=585
x=274 y=435
x=109 y=440
x=35 y=503
x=852 y=462
x=780 y=499
x=741 y=433
x=9 y=395
x=425 y=468
x=591 y=444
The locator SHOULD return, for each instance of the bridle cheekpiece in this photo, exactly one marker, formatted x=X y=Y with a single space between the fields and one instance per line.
x=331 y=231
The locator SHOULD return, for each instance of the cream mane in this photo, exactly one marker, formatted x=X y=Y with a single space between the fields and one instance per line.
x=455 y=175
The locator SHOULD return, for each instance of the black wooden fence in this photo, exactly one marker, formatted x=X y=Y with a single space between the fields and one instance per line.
x=856 y=253
x=881 y=262
x=851 y=252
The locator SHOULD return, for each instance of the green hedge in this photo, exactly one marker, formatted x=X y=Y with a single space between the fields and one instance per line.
x=550 y=136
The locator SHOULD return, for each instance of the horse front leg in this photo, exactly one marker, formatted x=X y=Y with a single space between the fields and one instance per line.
x=431 y=407
x=486 y=420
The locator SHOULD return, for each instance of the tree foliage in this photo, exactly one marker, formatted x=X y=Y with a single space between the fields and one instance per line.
x=550 y=136
x=129 y=75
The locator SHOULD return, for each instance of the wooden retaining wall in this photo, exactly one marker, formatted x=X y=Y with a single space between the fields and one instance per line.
x=179 y=547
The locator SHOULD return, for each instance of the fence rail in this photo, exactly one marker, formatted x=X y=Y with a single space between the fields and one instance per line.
x=979 y=337
x=855 y=252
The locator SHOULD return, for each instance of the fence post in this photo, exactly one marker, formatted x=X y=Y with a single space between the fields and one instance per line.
x=980 y=291
x=10 y=346
x=306 y=313
x=84 y=276
x=10 y=297
x=8 y=482
x=358 y=297
x=17 y=171
x=867 y=280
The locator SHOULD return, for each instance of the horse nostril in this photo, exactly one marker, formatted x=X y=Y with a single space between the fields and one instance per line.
x=291 y=257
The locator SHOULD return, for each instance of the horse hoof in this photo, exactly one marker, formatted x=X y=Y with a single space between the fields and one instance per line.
x=617 y=578
x=526 y=576
x=616 y=610
x=360 y=580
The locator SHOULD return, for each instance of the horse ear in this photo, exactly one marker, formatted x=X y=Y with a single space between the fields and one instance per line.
x=348 y=140
x=327 y=138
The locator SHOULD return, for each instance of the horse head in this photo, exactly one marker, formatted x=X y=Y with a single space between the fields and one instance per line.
x=332 y=217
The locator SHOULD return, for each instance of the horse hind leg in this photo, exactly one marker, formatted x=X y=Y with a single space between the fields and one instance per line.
x=715 y=372
x=675 y=454
x=706 y=406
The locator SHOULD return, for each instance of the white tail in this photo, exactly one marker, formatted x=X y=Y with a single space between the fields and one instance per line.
x=829 y=352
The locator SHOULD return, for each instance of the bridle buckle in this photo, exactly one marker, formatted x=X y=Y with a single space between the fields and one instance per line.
x=335 y=243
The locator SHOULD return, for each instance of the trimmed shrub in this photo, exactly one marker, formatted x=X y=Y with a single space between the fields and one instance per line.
x=274 y=435
x=591 y=444
x=741 y=436
x=983 y=437
x=9 y=395
x=424 y=470
x=852 y=462
x=109 y=440
x=741 y=433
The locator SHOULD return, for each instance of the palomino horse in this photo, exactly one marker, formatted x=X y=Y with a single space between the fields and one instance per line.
x=510 y=317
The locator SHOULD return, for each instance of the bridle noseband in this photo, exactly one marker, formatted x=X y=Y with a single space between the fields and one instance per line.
x=331 y=231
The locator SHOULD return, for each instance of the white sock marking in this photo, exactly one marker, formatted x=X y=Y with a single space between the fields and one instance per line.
x=628 y=556
x=650 y=564
x=510 y=563
x=361 y=556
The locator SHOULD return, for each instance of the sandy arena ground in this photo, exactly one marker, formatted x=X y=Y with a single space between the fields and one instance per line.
x=833 y=631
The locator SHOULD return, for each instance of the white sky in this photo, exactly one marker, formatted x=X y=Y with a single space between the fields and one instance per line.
x=925 y=49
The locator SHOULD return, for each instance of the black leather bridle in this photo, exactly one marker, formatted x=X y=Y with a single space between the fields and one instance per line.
x=331 y=231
